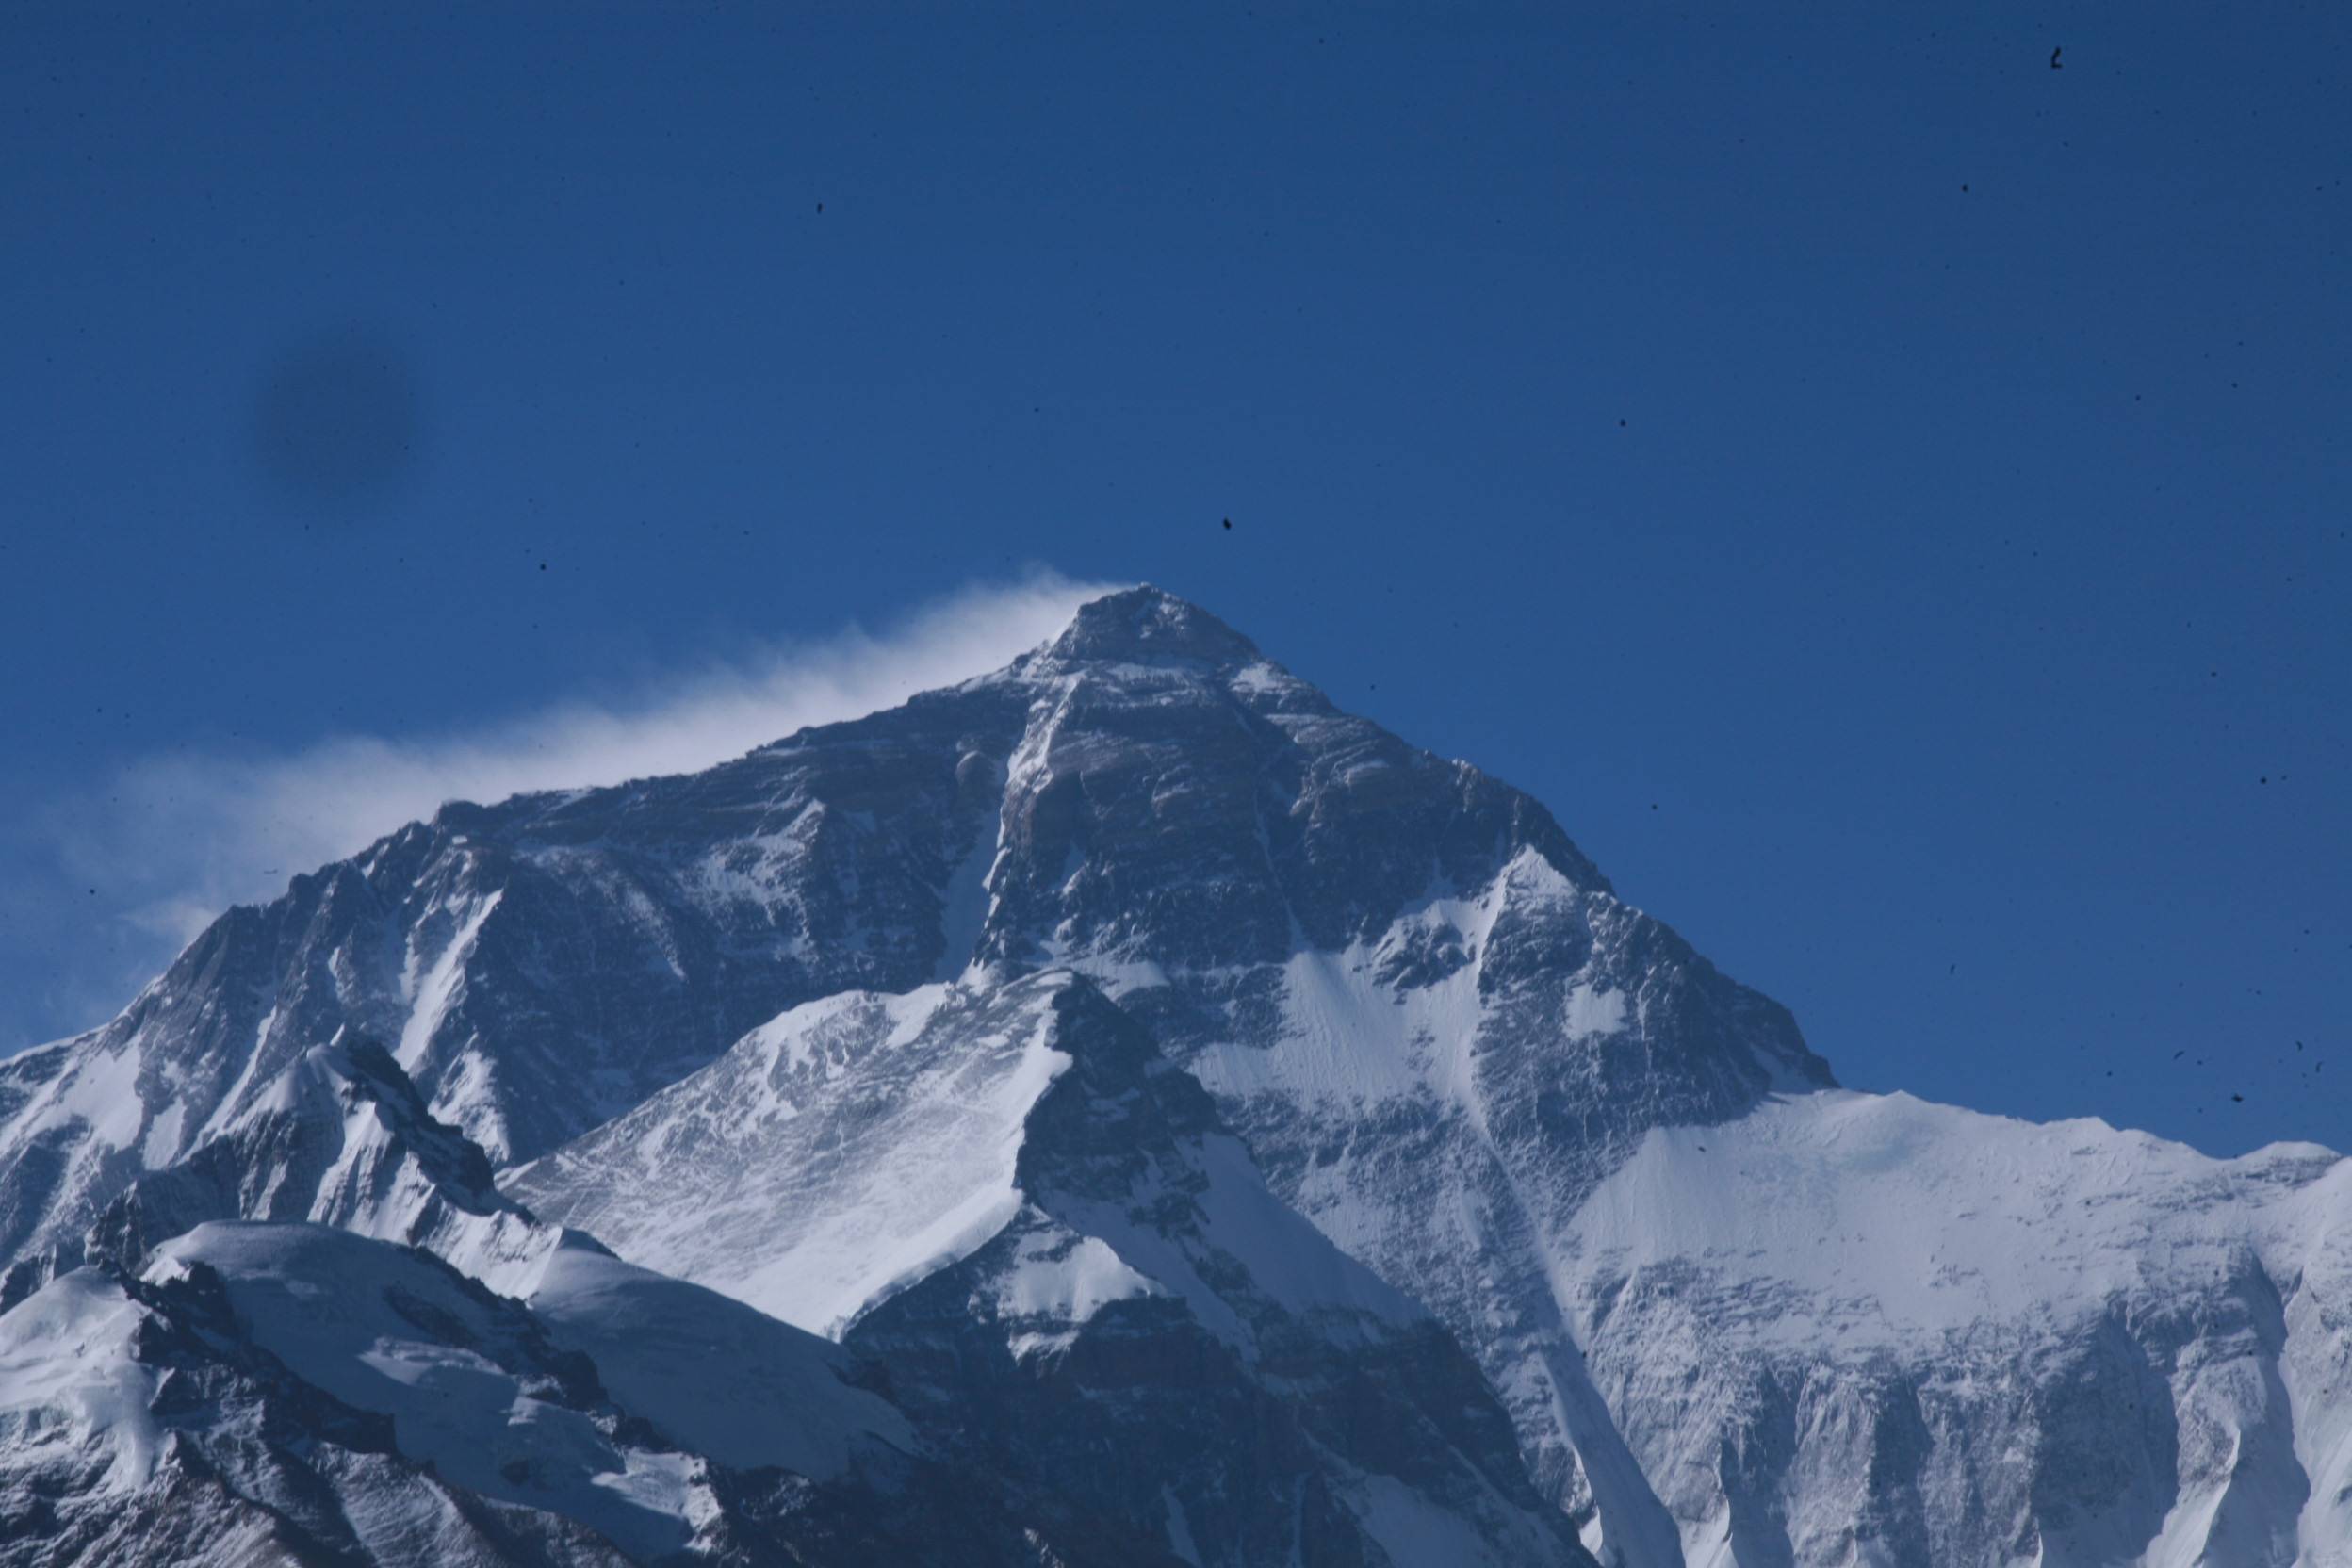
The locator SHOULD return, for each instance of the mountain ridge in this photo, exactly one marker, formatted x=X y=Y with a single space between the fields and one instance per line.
x=1426 y=1022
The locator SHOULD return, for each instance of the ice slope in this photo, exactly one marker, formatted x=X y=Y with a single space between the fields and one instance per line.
x=73 y=1389
x=1004 y=1196
x=839 y=1152
x=717 y=1376
x=1864 y=1329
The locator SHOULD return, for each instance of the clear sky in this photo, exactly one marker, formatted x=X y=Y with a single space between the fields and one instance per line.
x=1888 y=496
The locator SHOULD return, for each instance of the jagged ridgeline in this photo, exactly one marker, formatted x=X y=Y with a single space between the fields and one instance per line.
x=1117 y=1110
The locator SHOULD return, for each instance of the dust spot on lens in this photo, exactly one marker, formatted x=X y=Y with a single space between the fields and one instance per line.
x=338 y=423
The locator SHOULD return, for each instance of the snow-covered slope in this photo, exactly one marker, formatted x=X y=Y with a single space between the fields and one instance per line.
x=1861 y=1328
x=285 y=1393
x=722 y=1379
x=840 y=1152
x=783 y=1028
x=468 y=1384
x=534 y=968
x=342 y=1138
x=1005 y=1195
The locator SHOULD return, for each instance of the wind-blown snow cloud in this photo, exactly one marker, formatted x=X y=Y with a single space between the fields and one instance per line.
x=182 y=837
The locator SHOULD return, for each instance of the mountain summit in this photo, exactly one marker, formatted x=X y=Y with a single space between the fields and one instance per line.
x=1150 y=1114
x=1145 y=626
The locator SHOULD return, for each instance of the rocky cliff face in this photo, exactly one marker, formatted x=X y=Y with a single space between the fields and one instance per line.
x=809 y=1028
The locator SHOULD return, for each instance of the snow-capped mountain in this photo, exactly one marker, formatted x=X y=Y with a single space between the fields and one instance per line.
x=1170 y=1094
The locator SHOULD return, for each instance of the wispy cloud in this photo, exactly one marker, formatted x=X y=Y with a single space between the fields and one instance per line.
x=178 y=839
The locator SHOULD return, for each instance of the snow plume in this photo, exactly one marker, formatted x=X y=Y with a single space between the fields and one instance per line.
x=178 y=839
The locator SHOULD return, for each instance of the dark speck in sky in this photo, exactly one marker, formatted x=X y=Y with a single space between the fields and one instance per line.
x=336 y=423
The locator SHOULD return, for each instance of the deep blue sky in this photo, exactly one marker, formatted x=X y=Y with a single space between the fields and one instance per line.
x=1888 y=496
